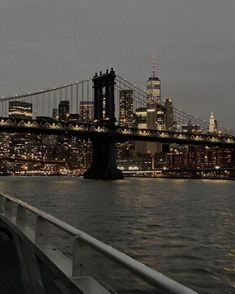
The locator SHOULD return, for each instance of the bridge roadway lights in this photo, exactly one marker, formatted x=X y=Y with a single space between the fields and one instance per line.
x=104 y=166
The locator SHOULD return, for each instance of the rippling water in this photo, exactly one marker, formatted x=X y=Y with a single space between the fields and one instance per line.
x=182 y=228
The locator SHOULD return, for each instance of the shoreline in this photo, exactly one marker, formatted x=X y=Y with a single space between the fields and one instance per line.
x=129 y=176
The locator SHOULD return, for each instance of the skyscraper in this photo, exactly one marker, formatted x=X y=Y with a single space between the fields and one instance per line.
x=64 y=110
x=20 y=109
x=87 y=111
x=126 y=108
x=154 y=86
x=155 y=111
x=140 y=118
x=140 y=121
x=169 y=120
x=212 y=128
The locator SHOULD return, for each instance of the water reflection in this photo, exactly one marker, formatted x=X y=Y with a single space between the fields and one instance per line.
x=183 y=228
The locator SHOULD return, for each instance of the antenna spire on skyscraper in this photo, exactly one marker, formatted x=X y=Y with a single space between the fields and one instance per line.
x=154 y=65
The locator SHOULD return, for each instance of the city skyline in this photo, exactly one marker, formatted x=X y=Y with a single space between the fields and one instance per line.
x=63 y=131
x=195 y=63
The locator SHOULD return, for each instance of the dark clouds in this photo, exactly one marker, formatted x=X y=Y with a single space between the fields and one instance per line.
x=48 y=42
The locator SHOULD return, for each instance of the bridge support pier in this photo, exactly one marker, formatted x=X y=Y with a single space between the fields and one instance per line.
x=104 y=166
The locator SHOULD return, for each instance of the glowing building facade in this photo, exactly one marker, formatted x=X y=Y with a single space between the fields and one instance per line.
x=20 y=109
x=126 y=108
x=87 y=111
x=212 y=128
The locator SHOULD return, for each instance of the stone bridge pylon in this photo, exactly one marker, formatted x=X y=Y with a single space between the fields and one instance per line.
x=104 y=164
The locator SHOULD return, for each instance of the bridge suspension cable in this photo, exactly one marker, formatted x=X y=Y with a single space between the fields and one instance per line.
x=180 y=117
x=43 y=102
x=80 y=93
x=53 y=89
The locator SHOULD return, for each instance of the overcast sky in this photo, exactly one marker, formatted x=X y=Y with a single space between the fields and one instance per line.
x=45 y=43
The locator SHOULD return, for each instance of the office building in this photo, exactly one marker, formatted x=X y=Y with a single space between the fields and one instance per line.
x=140 y=118
x=169 y=119
x=190 y=128
x=212 y=128
x=64 y=108
x=126 y=108
x=155 y=111
x=140 y=121
x=154 y=86
x=87 y=111
x=20 y=109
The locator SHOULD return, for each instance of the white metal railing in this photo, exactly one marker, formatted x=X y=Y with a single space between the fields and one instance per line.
x=81 y=239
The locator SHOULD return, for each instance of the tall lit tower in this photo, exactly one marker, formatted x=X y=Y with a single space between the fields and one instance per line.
x=169 y=116
x=154 y=85
x=212 y=124
x=126 y=108
x=155 y=111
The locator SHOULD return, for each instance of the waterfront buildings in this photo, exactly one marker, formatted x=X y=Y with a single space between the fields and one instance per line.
x=194 y=157
x=76 y=154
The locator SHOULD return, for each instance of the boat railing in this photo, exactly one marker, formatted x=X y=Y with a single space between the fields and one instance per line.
x=15 y=210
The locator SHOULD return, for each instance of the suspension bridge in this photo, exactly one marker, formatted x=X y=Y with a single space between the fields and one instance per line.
x=92 y=111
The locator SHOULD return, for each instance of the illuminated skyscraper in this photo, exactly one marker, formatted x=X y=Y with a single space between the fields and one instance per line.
x=126 y=108
x=155 y=111
x=140 y=118
x=87 y=111
x=64 y=110
x=154 y=86
x=169 y=120
x=212 y=128
x=20 y=109
x=141 y=123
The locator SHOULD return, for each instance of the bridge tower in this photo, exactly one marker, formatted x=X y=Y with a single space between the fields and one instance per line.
x=104 y=164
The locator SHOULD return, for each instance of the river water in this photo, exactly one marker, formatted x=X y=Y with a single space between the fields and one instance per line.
x=182 y=228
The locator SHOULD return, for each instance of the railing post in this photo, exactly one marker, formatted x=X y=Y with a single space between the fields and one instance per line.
x=20 y=216
x=42 y=231
x=9 y=208
x=80 y=255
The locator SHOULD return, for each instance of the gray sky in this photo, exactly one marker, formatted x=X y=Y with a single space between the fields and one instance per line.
x=46 y=43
